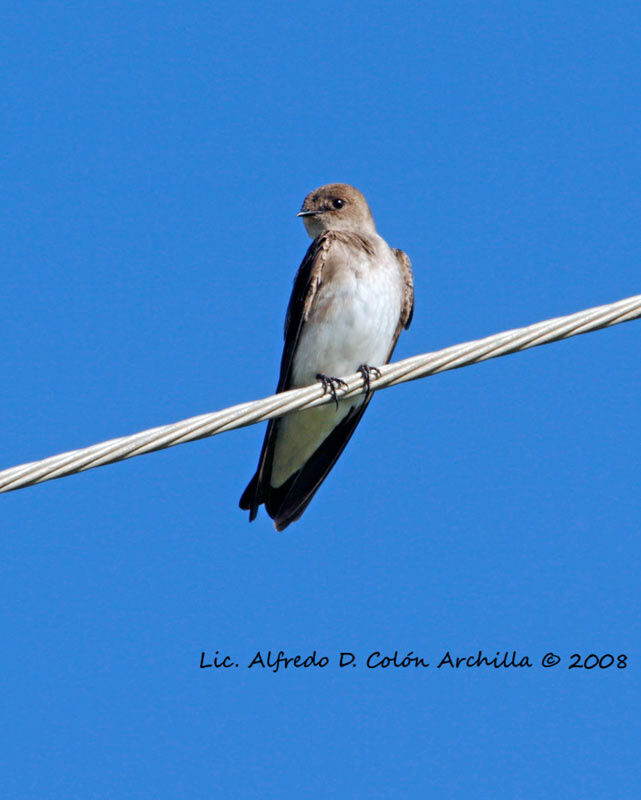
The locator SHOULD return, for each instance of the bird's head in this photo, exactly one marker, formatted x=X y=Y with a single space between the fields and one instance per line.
x=336 y=207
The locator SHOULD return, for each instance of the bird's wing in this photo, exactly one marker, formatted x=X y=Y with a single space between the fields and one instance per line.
x=306 y=283
x=286 y=503
x=407 y=305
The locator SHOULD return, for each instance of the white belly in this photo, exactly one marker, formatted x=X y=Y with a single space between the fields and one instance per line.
x=352 y=322
x=354 y=325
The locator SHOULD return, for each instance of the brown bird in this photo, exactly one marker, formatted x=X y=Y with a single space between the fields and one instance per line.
x=352 y=296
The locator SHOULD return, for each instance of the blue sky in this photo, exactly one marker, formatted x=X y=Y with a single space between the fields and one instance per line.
x=154 y=158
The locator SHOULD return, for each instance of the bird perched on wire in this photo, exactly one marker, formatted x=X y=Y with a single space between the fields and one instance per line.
x=352 y=296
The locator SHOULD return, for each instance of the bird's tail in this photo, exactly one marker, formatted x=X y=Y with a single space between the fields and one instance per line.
x=249 y=500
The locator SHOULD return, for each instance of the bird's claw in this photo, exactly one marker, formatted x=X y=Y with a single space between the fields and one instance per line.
x=331 y=385
x=368 y=373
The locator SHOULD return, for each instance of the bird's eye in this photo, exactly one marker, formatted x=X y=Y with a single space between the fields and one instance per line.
x=338 y=203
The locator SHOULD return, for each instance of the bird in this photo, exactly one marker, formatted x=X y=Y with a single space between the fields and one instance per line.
x=352 y=296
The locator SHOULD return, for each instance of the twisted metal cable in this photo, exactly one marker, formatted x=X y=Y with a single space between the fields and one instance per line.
x=239 y=416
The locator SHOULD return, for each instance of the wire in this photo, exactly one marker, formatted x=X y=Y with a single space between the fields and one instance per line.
x=239 y=416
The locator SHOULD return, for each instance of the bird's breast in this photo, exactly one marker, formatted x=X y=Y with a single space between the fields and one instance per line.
x=352 y=320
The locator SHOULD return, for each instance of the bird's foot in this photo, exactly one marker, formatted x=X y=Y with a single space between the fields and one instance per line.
x=368 y=373
x=331 y=385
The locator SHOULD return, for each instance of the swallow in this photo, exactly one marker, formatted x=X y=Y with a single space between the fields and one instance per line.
x=352 y=296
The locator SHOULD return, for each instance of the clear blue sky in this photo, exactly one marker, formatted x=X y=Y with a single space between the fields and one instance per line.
x=154 y=158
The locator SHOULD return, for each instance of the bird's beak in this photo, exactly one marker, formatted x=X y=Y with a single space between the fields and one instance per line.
x=307 y=213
